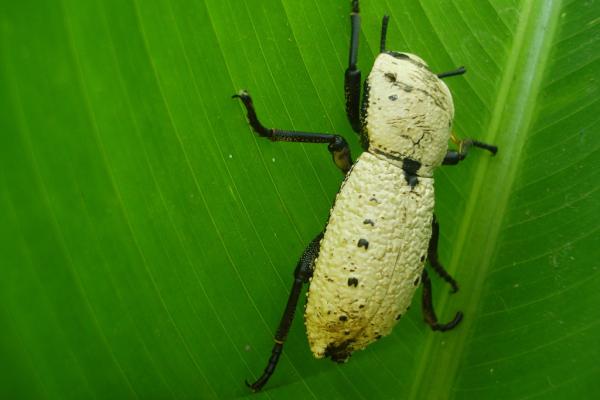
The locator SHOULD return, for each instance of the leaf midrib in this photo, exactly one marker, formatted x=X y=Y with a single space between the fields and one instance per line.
x=512 y=115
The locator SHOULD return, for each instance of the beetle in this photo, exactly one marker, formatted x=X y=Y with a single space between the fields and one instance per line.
x=365 y=266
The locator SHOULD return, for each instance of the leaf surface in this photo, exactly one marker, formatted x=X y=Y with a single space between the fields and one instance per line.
x=148 y=237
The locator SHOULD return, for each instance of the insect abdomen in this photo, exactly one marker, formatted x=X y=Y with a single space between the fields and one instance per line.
x=371 y=257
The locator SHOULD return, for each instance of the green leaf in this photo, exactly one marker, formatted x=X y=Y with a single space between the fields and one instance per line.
x=148 y=237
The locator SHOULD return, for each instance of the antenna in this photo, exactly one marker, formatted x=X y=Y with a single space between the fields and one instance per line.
x=384 y=26
x=457 y=71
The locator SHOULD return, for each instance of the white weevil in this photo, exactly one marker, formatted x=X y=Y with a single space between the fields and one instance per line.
x=366 y=265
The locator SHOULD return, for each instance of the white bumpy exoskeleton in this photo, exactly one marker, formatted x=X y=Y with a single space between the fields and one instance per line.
x=375 y=243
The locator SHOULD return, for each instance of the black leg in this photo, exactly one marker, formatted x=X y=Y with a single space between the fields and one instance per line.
x=352 y=75
x=432 y=256
x=338 y=147
x=384 y=26
x=454 y=157
x=429 y=313
x=302 y=274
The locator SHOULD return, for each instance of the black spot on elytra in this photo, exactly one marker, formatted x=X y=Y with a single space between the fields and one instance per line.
x=412 y=181
x=352 y=282
x=398 y=317
x=390 y=76
x=393 y=97
x=361 y=306
x=378 y=337
x=369 y=222
x=363 y=243
x=339 y=352
x=343 y=318
x=411 y=168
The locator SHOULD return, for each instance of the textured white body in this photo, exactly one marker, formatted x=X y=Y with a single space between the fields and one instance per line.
x=387 y=272
x=358 y=291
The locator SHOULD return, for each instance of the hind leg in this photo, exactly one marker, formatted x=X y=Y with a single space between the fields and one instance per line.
x=432 y=256
x=428 y=311
x=302 y=274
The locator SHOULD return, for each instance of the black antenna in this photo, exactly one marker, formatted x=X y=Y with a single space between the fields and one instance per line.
x=457 y=71
x=384 y=25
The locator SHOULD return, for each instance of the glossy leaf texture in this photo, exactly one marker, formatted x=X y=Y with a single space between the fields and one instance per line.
x=148 y=238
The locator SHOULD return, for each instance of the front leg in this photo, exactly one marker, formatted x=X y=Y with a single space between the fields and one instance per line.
x=338 y=147
x=453 y=157
x=302 y=274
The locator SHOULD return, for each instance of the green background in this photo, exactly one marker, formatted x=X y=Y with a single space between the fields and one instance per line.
x=147 y=237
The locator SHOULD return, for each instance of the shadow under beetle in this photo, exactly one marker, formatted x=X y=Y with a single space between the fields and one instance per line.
x=365 y=266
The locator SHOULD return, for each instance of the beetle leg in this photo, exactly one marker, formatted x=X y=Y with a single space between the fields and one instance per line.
x=352 y=75
x=432 y=256
x=429 y=313
x=302 y=274
x=453 y=157
x=338 y=147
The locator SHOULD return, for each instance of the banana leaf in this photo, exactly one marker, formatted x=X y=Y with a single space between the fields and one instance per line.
x=148 y=237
